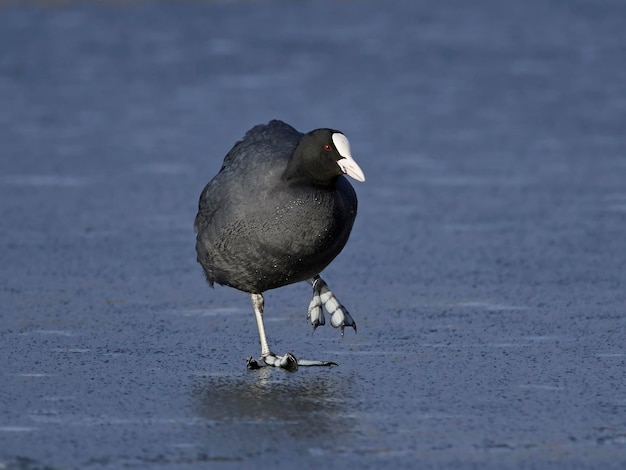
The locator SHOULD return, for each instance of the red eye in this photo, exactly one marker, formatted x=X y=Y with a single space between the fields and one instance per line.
x=327 y=147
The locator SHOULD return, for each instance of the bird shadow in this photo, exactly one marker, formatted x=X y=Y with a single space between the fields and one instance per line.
x=307 y=403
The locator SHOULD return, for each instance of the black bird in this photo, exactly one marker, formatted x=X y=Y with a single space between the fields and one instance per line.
x=278 y=212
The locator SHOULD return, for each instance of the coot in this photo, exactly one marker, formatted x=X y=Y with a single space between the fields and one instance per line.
x=278 y=212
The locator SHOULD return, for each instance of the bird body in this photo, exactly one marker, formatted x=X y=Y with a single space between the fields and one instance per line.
x=279 y=210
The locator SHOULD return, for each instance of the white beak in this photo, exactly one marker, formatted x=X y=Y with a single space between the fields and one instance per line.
x=347 y=163
x=350 y=168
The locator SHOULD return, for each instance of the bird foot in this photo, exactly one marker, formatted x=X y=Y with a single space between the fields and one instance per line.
x=323 y=297
x=287 y=362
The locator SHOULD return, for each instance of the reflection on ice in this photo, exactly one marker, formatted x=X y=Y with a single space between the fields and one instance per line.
x=315 y=405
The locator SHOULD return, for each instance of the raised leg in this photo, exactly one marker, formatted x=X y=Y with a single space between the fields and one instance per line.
x=268 y=358
x=323 y=297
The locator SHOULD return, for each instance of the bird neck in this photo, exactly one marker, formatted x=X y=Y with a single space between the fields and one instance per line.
x=304 y=169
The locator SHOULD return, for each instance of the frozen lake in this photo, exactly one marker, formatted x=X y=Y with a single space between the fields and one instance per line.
x=486 y=269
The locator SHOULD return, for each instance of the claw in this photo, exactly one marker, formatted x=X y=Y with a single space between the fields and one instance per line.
x=287 y=362
x=324 y=299
x=304 y=362
x=316 y=314
x=341 y=318
x=253 y=364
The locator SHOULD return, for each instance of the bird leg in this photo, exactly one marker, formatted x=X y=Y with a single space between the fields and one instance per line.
x=258 y=303
x=268 y=358
x=322 y=296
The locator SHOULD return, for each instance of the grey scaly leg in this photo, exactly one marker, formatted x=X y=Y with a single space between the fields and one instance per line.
x=322 y=296
x=258 y=303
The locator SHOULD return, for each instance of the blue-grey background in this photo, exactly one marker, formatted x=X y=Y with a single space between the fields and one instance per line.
x=486 y=269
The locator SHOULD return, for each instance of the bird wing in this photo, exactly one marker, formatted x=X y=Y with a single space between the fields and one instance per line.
x=260 y=156
x=274 y=140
